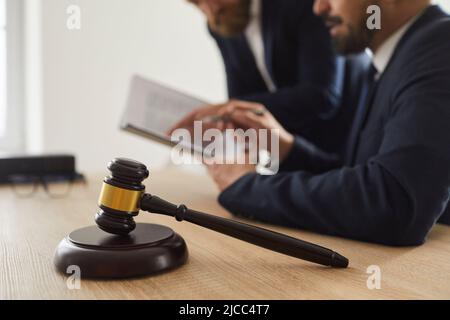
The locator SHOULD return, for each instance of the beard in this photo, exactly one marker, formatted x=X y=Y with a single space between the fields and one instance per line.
x=231 y=21
x=356 y=40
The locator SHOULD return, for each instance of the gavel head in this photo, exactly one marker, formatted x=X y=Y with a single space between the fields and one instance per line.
x=120 y=196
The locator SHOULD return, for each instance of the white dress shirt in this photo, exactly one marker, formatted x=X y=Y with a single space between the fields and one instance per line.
x=254 y=36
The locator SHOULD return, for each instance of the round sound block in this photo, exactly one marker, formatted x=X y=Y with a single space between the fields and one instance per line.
x=149 y=249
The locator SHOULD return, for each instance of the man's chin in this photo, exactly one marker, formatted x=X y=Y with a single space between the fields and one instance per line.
x=228 y=31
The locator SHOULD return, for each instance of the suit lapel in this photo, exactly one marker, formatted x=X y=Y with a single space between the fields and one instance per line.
x=269 y=17
x=360 y=121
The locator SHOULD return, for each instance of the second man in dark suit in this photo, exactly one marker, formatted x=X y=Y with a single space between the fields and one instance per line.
x=279 y=54
x=393 y=183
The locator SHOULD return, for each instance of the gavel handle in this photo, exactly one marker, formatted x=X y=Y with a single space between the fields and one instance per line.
x=258 y=236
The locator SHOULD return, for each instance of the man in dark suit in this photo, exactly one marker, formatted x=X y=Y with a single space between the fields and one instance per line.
x=393 y=183
x=278 y=53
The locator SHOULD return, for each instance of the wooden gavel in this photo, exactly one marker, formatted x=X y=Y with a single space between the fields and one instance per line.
x=123 y=196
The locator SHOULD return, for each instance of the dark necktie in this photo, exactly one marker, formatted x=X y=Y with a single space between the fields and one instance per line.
x=365 y=100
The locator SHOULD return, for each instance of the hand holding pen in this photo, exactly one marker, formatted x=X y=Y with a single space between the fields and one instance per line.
x=219 y=115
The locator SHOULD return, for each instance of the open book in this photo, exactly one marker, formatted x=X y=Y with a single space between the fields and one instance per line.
x=152 y=109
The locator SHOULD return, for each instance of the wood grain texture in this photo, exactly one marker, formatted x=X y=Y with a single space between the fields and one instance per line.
x=219 y=267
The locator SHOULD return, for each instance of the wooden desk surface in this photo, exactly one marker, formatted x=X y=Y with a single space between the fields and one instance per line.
x=218 y=267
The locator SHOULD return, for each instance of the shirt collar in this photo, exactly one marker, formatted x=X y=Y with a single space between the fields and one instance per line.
x=385 y=52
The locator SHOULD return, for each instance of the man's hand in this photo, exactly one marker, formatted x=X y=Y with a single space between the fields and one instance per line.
x=196 y=115
x=248 y=115
x=227 y=174
x=209 y=115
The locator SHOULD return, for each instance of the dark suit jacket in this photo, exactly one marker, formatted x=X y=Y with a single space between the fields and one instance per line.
x=301 y=61
x=396 y=185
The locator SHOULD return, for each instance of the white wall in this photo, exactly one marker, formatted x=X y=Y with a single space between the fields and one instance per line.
x=85 y=74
